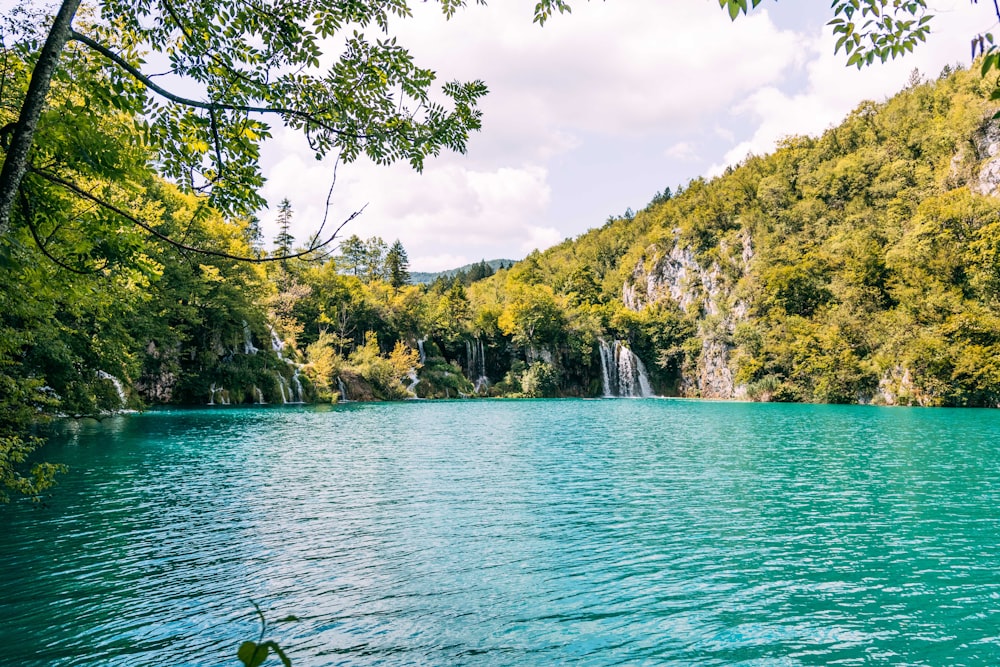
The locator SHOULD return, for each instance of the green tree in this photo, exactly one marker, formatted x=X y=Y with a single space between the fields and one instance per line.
x=284 y=240
x=397 y=266
x=374 y=259
x=352 y=255
x=251 y=65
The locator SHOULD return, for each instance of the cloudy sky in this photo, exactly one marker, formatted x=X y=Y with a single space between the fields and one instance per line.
x=595 y=113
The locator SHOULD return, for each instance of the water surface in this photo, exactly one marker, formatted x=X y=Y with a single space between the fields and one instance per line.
x=610 y=532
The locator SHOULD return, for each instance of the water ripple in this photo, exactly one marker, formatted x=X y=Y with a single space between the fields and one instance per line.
x=490 y=533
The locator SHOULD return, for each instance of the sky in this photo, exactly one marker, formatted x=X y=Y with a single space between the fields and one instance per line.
x=595 y=113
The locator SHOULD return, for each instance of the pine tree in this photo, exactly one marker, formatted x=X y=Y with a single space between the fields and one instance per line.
x=284 y=241
x=397 y=265
x=254 y=236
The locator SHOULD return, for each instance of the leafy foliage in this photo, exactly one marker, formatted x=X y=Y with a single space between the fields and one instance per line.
x=859 y=265
x=868 y=30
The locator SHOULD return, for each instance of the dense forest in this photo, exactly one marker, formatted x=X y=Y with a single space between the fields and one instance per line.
x=859 y=266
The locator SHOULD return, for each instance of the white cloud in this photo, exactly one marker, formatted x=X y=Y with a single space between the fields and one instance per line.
x=833 y=90
x=539 y=238
x=682 y=150
x=614 y=69
x=447 y=214
x=640 y=73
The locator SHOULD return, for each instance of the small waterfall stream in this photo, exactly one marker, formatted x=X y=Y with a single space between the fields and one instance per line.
x=248 y=346
x=295 y=391
x=414 y=381
x=283 y=388
x=277 y=344
x=622 y=372
x=475 y=353
x=119 y=389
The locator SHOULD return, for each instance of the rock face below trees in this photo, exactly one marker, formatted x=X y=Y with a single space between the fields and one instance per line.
x=707 y=293
x=987 y=143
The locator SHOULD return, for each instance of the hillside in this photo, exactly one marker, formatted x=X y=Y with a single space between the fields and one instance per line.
x=860 y=266
x=427 y=277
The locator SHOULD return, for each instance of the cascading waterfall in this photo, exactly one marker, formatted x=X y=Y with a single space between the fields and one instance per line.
x=259 y=395
x=248 y=347
x=343 y=389
x=476 y=354
x=291 y=391
x=222 y=394
x=622 y=372
x=420 y=349
x=277 y=344
x=119 y=389
x=297 y=386
x=282 y=387
x=414 y=381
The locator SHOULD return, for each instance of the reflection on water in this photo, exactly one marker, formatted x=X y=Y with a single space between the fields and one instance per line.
x=514 y=533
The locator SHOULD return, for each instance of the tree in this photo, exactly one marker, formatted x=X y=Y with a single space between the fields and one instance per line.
x=249 y=63
x=374 y=264
x=352 y=255
x=253 y=234
x=871 y=30
x=397 y=266
x=882 y=29
x=284 y=241
x=480 y=271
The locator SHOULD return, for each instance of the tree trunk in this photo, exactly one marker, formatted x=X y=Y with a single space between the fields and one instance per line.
x=16 y=161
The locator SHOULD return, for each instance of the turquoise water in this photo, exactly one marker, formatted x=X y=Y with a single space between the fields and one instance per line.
x=610 y=532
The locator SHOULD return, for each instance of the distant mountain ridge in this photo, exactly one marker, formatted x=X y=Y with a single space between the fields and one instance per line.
x=427 y=277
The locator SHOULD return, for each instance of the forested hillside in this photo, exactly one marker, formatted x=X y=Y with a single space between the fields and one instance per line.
x=862 y=265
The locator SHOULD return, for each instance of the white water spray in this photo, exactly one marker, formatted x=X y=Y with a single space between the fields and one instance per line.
x=119 y=389
x=622 y=372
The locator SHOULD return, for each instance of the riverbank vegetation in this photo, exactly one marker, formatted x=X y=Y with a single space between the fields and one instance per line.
x=859 y=266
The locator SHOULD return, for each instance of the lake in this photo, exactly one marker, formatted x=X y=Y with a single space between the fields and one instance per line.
x=490 y=532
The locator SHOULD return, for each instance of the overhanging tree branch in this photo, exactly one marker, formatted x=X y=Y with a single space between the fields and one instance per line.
x=206 y=106
x=15 y=162
x=76 y=189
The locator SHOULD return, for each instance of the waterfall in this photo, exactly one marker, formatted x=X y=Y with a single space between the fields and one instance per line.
x=259 y=395
x=608 y=369
x=342 y=388
x=222 y=393
x=119 y=389
x=414 y=381
x=277 y=344
x=476 y=354
x=622 y=372
x=297 y=386
x=248 y=347
x=282 y=385
x=420 y=348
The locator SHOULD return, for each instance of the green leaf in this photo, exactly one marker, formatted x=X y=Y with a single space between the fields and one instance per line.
x=253 y=655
